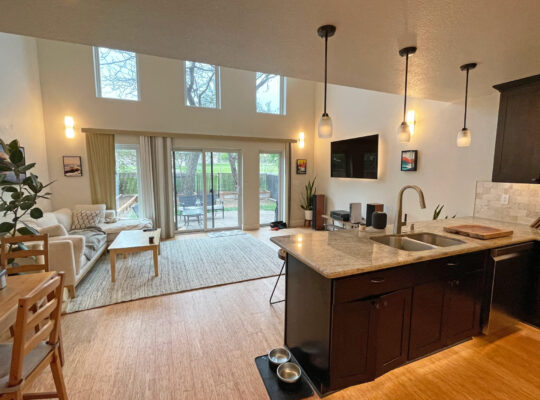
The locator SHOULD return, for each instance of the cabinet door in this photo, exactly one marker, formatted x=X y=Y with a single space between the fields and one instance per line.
x=462 y=307
x=352 y=343
x=393 y=323
x=427 y=319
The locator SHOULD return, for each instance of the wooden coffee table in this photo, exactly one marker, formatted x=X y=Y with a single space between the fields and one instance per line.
x=135 y=241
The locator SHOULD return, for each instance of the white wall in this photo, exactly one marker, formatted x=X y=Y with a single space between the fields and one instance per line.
x=67 y=79
x=446 y=173
x=21 y=113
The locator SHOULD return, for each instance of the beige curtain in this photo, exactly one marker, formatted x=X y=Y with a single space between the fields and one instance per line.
x=101 y=168
x=156 y=181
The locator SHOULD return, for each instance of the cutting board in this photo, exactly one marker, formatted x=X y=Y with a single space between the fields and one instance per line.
x=478 y=231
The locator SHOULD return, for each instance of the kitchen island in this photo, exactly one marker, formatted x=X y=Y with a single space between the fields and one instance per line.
x=357 y=308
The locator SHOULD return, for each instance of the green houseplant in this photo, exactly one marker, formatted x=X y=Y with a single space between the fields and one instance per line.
x=307 y=199
x=19 y=193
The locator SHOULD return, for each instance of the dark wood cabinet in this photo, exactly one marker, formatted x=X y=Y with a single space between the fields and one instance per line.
x=350 y=330
x=393 y=318
x=353 y=343
x=462 y=307
x=517 y=147
x=427 y=319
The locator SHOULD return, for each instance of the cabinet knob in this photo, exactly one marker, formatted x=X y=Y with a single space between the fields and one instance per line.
x=377 y=280
x=452 y=264
x=385 y=304
x=457 y=282
x=376 y=304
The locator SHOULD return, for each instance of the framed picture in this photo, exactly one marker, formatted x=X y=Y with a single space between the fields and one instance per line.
x=10 y=176
x=301 y=167
x=409 y=159
x=72 y=166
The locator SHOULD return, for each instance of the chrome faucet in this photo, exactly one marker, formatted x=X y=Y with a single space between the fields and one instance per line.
x=399 y=223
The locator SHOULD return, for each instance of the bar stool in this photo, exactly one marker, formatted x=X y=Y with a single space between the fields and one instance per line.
x=282 y=254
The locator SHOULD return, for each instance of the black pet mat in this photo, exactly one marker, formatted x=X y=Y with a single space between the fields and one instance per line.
x=276 y=392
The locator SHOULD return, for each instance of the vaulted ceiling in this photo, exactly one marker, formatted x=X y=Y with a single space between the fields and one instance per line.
x=279 y=36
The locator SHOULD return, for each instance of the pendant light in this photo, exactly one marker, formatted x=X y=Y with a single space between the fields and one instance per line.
x=325 y=123
x=404 y=132
x=464 y=135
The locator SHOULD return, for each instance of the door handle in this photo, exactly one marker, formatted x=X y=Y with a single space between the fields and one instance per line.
x=377 y=280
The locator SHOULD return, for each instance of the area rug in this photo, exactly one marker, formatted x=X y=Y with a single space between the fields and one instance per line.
x=184 y=264
x=226 y=233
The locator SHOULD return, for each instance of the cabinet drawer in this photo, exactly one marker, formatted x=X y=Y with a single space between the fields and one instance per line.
x=448 y=267
x=372 y=283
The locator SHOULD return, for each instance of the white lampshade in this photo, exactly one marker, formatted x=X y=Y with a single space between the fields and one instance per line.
x=464 y=138
x=404 y=133
x=325 y=126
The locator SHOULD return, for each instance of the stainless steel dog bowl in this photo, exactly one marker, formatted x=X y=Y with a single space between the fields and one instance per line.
x=278 y=356
x=289 y=372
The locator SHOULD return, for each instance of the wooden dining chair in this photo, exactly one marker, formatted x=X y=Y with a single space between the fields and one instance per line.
x=35 y=344
x=36 y=266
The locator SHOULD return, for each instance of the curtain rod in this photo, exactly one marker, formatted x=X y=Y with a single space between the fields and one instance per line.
x=186 y=135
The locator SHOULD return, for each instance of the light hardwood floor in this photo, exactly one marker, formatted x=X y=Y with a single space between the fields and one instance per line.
x=201 y=345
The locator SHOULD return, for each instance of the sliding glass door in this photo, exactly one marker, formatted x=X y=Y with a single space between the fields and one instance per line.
x=270 y=183
x=207 y=187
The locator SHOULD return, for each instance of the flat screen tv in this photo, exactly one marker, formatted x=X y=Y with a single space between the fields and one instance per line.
x=355 y=158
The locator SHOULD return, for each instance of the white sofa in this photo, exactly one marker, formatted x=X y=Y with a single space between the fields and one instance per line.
x=76 y=252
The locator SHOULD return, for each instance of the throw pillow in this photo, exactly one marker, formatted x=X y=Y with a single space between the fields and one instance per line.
x=92 y=207
x=53 y=230
x=84 y=219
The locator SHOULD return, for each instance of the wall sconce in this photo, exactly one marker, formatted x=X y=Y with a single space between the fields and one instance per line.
x=68 y=124
x=301 y=142
x=411 y=121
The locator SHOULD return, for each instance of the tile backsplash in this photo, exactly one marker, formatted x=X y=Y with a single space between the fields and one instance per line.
x=523 y=201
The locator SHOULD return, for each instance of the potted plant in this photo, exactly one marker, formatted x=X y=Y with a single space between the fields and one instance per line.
x=19 y=193
x=307 y=199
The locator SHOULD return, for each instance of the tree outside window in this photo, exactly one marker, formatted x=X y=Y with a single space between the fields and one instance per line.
x=116 y=74
x=270 y=93
x=202 y=85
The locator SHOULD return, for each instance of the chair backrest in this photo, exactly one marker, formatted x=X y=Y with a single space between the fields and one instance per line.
x=189 y=200
x=38 y=320
x=7 y=253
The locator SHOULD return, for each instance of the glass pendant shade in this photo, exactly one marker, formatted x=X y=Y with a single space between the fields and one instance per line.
x=464 y=138
x=325 y=126
x=404 y=133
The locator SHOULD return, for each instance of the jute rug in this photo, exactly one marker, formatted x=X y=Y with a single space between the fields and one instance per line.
x=184 y=264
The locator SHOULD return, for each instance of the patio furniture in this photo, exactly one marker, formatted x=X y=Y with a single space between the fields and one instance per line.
x=192 y=213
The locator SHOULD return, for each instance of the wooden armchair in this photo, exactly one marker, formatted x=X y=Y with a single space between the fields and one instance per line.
x=35 y=344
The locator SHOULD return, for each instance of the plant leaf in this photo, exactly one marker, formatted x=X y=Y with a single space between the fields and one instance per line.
x=36 y=213
x=27 y=167
x=6 y=226
x=27 y=231
x=16 y=156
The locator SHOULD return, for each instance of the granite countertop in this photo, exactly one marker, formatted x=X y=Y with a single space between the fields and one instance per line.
x=343 y=253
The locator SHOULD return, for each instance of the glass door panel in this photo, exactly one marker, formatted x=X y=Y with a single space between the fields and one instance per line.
x=188 y=181
x=223 y=207
x=270 y=198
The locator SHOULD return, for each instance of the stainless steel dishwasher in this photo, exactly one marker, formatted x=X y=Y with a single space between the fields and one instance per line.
x=514 y=278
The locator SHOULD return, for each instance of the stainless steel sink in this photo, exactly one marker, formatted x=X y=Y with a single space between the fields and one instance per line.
x=434 y=239
x=416 y=241
x=403 y=243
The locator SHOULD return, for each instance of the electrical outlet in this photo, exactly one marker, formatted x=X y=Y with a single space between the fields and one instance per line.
x=504 y=199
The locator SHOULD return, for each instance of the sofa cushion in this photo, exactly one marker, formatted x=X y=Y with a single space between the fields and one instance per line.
x=53 y=230
x=92 y=207
x=63 y=216
x=85 y=219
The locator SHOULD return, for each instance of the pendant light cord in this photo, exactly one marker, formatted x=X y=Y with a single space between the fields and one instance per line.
x=406 y=74
x=325 y=67
x=466 y=97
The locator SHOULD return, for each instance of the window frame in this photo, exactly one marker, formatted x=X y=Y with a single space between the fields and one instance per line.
x=217 y=84
x=97 y=75
x=282 y=95
x=136 y=147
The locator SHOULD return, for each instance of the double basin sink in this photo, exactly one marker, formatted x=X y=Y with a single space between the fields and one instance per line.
x=417 y=241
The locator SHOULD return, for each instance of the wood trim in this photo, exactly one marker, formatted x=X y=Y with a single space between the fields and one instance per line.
x=518 y=82
x=186 y=135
